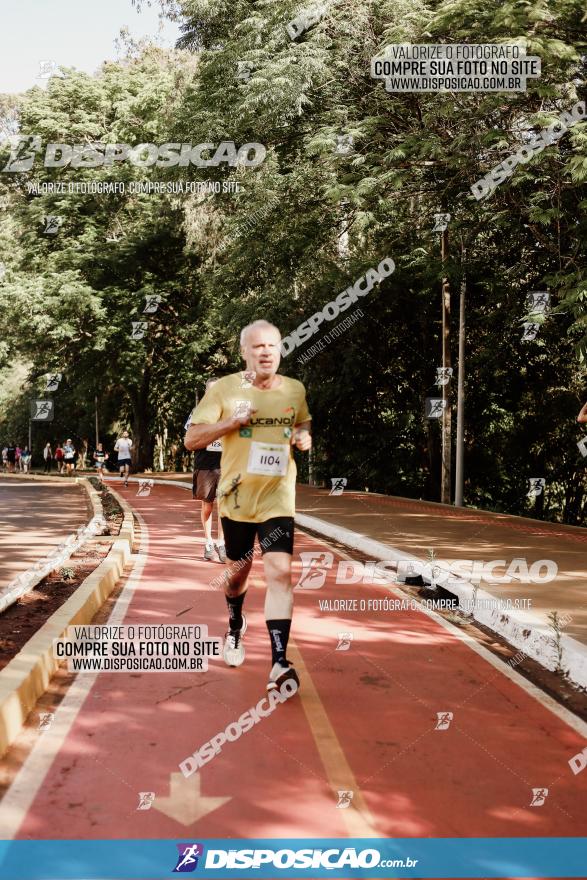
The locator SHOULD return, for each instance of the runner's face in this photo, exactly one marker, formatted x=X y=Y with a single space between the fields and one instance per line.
x=262 y=352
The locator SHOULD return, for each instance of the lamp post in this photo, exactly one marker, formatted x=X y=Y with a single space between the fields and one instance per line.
x=460 y=450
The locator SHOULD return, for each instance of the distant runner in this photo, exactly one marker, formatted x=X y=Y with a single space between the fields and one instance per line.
x=260 y=415
x=59 y=458
x=100 y=459
x=123 y=446
x=25 y=458
x=205 y=489
x=68 y=456
x=11 y=457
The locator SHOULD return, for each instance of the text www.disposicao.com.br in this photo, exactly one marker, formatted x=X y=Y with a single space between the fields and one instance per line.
x=134 y=664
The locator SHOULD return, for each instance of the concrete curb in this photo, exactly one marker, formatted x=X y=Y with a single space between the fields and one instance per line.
x=27 y=675
x=127 y=529
x=55 y=477
x=95 y=500
x=181 y=483
x=521 y=629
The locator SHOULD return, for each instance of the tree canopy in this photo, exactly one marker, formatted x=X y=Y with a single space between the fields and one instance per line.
x=352 y=174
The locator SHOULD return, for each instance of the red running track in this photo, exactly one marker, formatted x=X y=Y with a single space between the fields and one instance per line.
x=364 y=721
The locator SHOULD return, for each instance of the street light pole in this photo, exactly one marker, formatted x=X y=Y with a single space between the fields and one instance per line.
x=96 y=412
x=446 y=363
x=460 y=450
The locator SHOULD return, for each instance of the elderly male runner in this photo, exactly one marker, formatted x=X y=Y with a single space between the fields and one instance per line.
x=260 y=415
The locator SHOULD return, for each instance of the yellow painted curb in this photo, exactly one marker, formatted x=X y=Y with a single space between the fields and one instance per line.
x=94 y=497
x=27 y=675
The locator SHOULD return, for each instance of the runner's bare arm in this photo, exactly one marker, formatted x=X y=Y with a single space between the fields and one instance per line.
x=302 y=438
x=582 y=417
x=199 y=436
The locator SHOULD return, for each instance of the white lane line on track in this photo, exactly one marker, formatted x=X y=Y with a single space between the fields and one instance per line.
x=19 y=797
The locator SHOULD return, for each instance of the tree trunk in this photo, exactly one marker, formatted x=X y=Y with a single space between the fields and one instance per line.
x=432 y=490
x=143 y=440
x=574 y=492
x=446 y=423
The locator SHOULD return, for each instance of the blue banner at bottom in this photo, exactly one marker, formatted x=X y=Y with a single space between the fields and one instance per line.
x=271 y=858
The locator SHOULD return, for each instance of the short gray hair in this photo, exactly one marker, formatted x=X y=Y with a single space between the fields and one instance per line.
x=260 y=323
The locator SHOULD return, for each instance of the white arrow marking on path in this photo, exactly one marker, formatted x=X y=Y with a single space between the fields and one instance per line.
x=185 y=803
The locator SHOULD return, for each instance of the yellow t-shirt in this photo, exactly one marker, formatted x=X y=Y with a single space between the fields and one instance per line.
x=257 y=469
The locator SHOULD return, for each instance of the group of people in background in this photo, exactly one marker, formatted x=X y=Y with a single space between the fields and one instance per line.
x=65 y=457
x=16 y=459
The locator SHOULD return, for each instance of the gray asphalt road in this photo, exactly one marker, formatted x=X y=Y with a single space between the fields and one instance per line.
x=35 y=516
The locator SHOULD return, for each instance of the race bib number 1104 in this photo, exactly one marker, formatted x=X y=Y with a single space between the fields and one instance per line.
x=269 y=459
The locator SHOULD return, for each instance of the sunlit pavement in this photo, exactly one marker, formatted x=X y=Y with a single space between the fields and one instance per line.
x=430 y=736
x=36 y=516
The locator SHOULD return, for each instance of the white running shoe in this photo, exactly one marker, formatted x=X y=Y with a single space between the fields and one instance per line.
x=281 y=673
x=221 y=550
x=209 y=550
x=234 y=650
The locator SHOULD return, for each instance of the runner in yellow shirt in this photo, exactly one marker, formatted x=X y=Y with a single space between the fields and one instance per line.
x=260 y=415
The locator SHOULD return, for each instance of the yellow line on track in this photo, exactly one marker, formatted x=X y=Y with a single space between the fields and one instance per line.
x=357 y=818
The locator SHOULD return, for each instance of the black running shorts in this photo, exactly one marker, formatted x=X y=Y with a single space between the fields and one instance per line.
x=275 y=535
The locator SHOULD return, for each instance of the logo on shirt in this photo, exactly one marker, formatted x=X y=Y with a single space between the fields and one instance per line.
x=269 y=423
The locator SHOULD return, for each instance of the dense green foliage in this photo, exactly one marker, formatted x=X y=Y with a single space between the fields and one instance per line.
x=308 y=223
